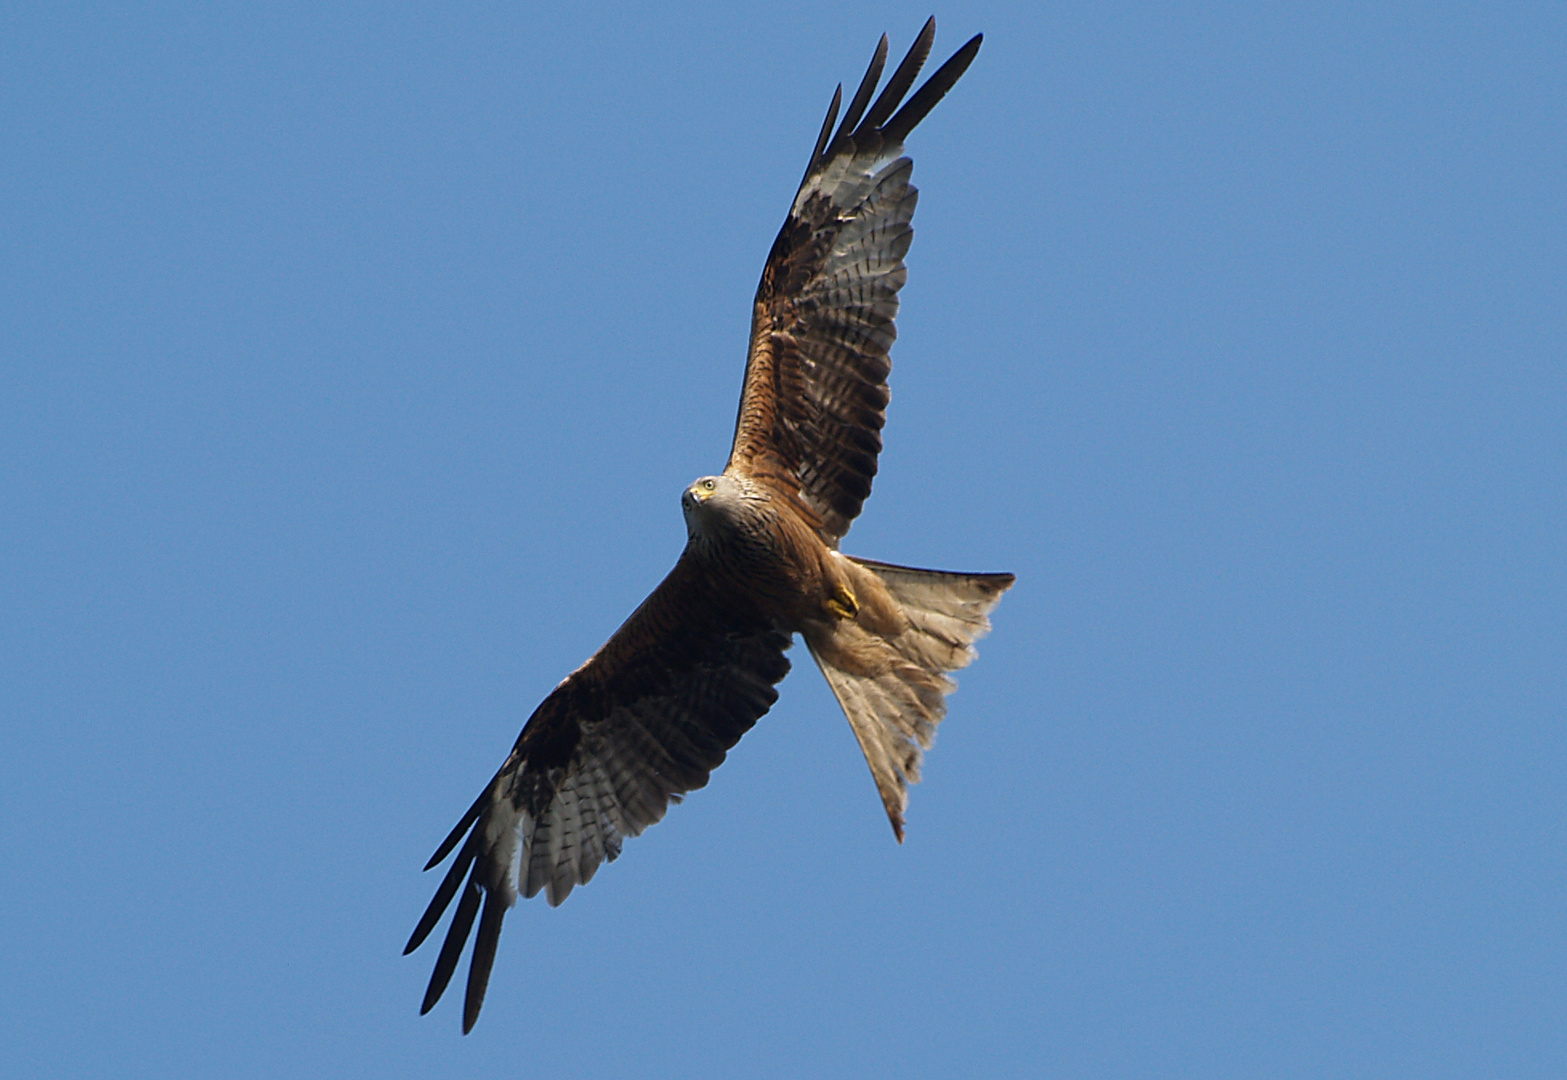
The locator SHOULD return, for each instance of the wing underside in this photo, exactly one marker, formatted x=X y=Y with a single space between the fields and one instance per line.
x=643 y=722
x=815 y=394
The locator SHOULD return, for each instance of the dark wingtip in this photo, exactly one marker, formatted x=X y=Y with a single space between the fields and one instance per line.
x=935 y=88
x=901 y=80
x=483 y=959
x=821 y=139
x=462 y=827
x=862 y=96
x=451 y=948
x=884 y=114
x=443 y=894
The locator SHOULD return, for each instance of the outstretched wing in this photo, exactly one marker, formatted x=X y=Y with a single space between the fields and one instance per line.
x=815 y=394
x=645 y=720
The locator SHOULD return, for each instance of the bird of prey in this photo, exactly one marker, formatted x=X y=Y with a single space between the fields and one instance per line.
x=655 y=710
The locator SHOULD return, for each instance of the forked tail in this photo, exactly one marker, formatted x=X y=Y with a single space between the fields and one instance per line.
x=891 y=679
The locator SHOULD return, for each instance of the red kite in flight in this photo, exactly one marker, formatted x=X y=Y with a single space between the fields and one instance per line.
x=654 y=711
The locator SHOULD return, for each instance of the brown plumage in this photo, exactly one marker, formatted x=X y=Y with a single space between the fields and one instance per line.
x=655 y=710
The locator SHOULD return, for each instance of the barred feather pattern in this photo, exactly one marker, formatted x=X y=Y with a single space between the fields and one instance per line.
x=643 y=722
x=642 y=755
x=815 y=395
x=893 y=688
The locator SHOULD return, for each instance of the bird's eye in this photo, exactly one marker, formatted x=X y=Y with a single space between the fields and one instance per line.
x=709 y=485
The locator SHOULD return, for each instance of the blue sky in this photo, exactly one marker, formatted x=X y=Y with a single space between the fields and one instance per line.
x=352 y=362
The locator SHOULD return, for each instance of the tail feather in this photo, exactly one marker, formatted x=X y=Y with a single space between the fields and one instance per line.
x=947 y=612
x=893 y=687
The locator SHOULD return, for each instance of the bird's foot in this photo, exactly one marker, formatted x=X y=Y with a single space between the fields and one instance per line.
x=842 y=603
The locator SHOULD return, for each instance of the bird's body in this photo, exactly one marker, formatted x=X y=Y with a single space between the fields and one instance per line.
x=657 y=708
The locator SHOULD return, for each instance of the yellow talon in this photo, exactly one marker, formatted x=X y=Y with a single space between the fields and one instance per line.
x=842 y=603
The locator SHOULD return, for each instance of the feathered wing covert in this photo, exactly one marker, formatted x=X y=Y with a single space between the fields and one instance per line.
x=655 y=710
x=815 y=394
x=630 y=731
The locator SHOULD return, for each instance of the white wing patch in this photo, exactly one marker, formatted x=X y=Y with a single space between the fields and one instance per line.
x=848 y=178
x=603 y=798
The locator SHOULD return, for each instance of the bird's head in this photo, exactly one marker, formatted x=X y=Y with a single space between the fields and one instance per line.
x=707 y=501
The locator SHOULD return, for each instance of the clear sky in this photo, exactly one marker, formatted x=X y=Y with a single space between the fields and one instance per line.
x=353 y=360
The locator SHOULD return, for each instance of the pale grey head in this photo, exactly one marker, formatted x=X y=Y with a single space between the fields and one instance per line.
x=713 y=503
